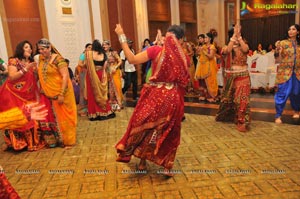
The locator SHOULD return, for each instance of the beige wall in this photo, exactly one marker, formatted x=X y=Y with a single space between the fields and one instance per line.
x=71 y=32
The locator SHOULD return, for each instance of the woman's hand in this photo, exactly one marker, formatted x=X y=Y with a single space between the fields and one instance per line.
x=32 y=65
x=60 y=99
x=37 y=111
x=237 y=30
x=278 y=47
x=119 y=30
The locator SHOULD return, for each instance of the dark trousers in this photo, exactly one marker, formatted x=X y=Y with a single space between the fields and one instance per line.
x=131 y=78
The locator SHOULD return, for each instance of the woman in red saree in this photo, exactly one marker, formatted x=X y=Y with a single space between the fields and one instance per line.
x=18 y=90
x=153 y=132
x=97 y=84
x=57 y=94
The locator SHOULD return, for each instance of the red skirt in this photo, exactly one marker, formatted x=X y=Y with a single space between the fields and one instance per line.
x=153 y=132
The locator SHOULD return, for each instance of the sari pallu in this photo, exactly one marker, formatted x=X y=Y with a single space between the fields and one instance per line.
x=97 y=89
x=153 y=132
x=61 y=121
x=18 y=93
x=235 y=99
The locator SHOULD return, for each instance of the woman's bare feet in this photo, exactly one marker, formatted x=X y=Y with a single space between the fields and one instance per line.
x=167 y=173
x=296 y=115
x=201 y=98
x=278 y=120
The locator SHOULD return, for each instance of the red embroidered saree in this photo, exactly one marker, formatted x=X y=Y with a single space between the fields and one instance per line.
x=17 y=93
x=153 y=132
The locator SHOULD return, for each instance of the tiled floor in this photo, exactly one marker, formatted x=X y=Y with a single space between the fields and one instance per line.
x=214 y=160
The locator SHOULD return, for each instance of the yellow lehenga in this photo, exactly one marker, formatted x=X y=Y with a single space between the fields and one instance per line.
x=207 y=70
x=63 y=121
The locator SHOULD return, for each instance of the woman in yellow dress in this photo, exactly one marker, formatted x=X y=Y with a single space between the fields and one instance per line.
x=206 y=70
x=115 y=82
x=115 y=76
x=57 y=93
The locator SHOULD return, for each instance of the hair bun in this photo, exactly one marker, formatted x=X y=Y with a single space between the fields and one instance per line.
x=213 y=32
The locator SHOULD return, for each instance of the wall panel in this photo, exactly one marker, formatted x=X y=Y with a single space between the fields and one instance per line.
x=22 y=22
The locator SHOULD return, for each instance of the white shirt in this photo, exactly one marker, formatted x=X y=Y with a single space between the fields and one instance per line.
x=128 y=67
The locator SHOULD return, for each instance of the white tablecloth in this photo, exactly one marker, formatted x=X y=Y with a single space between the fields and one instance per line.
x=257 y=79
x=263 y=62
x=263 y=74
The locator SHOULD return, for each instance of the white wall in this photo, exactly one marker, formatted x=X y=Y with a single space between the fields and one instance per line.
x=96 y=19
x=68 y=33
x=210 y=14
x=142 y=20
x=175 y=13
x=3 y=51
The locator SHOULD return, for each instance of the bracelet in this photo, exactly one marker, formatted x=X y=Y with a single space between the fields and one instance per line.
x=63 y=92
x=21 y=72
x=25 y=69
x=122 y=38
x=240 y=38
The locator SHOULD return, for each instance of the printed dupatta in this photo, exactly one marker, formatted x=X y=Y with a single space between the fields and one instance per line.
x=172 y=66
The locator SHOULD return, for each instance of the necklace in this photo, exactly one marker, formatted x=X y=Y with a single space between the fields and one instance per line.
x=45 y=67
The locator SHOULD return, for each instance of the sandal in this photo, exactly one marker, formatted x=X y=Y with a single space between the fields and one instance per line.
x=296 y=116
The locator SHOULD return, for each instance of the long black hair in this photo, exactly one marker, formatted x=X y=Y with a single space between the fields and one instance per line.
x=210 y=35
x=298 y=29
x=19 y=52
x=96 y=46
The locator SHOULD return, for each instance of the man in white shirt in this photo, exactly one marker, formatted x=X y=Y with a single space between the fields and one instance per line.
x=130 y=72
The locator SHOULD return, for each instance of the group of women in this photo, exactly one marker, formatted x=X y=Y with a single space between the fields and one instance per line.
x=153 y=132
x=47 y=82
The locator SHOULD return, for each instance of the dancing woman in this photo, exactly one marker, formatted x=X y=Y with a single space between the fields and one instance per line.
x=153 y=132
x=288 y=73
x=235 y=99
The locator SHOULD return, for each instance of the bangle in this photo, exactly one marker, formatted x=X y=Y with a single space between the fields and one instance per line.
x=21 y=72
x=63 y=92
x=25 y=69
x=122 y=38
